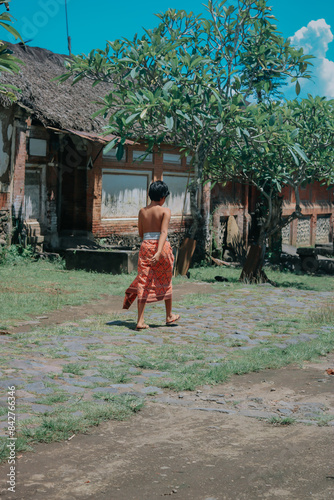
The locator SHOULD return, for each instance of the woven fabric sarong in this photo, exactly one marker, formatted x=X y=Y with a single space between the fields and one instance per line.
x=153 y=282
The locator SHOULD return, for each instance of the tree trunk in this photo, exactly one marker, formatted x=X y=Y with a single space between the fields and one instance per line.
x=195 y=190
x=275 y=239
x=252 y=271
x=206 y=200
x=267 y=223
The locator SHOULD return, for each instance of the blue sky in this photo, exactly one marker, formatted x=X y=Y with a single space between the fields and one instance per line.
x=310 y=23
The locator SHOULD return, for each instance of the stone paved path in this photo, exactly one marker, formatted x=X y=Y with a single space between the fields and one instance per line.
x=105 y=355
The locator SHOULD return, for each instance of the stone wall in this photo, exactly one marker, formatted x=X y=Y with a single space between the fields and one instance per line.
x=303 y=231
x=4 y=226
x=133 y=240
x=323 y=229
x=286 y=234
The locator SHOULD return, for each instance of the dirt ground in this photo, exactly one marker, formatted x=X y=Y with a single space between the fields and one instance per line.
x=169 y=449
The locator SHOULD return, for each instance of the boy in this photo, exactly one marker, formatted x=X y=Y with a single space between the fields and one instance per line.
x=155 y=262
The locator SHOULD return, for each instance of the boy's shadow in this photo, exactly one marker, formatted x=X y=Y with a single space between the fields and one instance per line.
x=131 y=325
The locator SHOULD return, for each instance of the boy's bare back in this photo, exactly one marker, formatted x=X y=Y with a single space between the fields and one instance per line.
x=153 y=218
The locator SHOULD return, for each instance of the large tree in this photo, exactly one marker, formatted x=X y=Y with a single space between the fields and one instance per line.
x=288 y=144
x=187 y=81
x=8 y=62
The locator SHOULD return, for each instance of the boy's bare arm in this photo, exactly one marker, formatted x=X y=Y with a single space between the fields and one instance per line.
x=140 y=224
x=163 y=234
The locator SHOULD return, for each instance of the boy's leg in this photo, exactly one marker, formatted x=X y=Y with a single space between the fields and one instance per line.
x=140 y=321
x=170 y=318
x=168 y=306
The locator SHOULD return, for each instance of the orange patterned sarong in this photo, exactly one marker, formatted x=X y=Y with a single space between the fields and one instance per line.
x=153 y=282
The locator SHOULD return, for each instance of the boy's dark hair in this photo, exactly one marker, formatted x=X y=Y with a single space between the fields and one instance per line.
x=158 y=190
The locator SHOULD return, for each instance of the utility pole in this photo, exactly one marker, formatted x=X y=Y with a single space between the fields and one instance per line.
x=67 y=30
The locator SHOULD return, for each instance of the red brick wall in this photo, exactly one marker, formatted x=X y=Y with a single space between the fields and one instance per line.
x=19 y=170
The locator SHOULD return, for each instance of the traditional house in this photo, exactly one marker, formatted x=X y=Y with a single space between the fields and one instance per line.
x=56 y=178
x=54 y=173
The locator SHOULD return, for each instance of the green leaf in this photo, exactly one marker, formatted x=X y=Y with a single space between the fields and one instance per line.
x=200 y=123
x=132 y=117
x=301 y=152
x=166 y=87
x=111 y=145
x=294 y=133
x=219 y=127
x=297 y=88
x=184 y=115
x=11 y=30
x=169 y=120
x=120 y=152
x=272 y=120
x=294 y=156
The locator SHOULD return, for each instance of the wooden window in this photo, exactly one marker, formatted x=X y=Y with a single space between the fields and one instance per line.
x=172 y=158
x=37 y=147
x=141 y=156
x=124 y=193
x=111 y=155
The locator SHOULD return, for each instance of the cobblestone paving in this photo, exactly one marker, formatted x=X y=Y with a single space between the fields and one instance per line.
x=79 y=361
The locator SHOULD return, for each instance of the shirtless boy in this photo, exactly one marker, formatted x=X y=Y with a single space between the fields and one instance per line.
x=155 y=262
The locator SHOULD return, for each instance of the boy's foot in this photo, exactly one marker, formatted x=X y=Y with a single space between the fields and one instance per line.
x=142 y=327
x=171 y=319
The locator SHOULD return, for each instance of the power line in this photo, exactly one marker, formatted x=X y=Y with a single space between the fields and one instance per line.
x=67 y=30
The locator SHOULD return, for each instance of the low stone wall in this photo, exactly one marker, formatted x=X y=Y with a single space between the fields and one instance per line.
x=111 y=261
x=133 y=240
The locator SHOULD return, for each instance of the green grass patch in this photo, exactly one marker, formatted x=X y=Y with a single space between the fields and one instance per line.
x=284 y=279
x=74 y=368
x=281 y=420
x=182 y=377
x=36 y=288
x=323 y=316
x=62 y=424
x=58 y=397
x=115 y=375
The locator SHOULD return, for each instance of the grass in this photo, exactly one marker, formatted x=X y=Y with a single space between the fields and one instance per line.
x=323 y=316
x=115 y=375
x=36 y=288
x=281 y=420
x=285 y=279
x=51 y=399
x=74 y=368
x=42 y=286
x=62 y=424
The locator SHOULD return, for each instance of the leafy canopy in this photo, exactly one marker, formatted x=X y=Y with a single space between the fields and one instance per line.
x=8 y=62
x=187 y=80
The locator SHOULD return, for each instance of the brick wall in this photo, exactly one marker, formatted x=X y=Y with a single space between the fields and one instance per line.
x=19 y=169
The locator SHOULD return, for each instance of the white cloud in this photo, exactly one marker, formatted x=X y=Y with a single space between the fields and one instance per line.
x=327 y=73
x=314 y=39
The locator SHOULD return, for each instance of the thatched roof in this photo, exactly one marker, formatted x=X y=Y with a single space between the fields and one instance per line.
x=57 y=105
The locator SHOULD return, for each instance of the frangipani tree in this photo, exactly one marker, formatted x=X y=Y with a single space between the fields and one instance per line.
x=8 y=62
x=289 y=144
x=186 y=82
